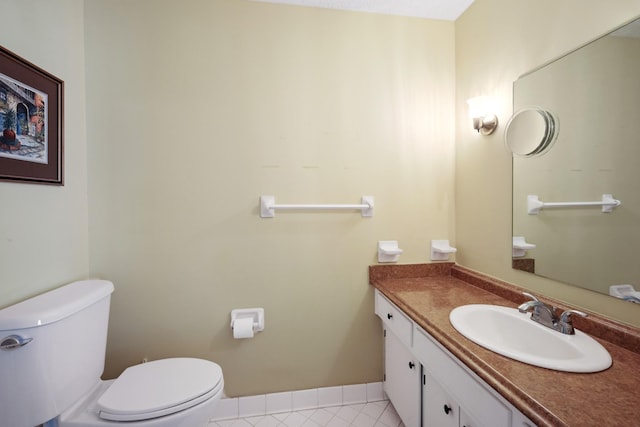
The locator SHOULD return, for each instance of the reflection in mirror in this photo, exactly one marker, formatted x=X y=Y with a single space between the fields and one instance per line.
x=595 y=91
x=531 y=131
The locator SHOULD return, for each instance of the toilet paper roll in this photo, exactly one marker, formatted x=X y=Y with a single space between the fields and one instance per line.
x=243 y=328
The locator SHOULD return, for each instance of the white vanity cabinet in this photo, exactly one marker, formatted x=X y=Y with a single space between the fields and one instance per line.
x=394 y=319
x=439 y=409
x=401 y=368
x=429 y=386
x=451 y=393
x=402 y=379
x=519 y=420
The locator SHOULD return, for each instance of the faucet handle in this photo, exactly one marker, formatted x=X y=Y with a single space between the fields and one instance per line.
x=532 y=297
x=566 y=315
x=565 y=325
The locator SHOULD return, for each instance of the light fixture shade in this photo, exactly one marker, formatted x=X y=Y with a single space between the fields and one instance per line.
x=479 y=106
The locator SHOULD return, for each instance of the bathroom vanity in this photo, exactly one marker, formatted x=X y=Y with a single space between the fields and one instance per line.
x=436 y=377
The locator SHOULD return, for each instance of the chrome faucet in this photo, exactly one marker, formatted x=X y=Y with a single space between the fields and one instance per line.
x=540 y=312
x=546 y=315
x=565 y=325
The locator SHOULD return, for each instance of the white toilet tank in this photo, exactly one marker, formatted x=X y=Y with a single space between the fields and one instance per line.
x=64 y=358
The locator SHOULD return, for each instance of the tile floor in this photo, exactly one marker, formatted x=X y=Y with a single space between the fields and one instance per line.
x=372 y=414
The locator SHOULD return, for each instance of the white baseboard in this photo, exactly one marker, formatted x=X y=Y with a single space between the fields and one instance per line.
x=275 y=403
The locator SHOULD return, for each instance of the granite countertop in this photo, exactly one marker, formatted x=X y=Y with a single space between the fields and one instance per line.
x=428 y=292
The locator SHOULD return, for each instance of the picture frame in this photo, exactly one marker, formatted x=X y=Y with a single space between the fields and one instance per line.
x=31 y=122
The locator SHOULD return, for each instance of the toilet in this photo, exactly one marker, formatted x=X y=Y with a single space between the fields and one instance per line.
x=52 y=353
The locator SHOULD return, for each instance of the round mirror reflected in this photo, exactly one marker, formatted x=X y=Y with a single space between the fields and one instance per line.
x=531 y=132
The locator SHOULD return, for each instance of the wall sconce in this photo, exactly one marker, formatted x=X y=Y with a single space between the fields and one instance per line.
x=481 y=112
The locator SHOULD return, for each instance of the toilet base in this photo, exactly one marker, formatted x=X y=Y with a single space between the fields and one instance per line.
x=85 y=413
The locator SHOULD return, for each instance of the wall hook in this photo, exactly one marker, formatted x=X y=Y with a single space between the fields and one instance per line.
x=520 y=247
x=440 y=250
x=388 y=251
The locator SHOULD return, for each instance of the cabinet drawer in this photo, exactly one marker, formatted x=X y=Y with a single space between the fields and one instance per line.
x=394 y=319
x=476 y=399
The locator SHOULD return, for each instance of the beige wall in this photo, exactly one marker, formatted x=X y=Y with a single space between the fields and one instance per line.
x=496 y=42
x=197 y=108
x=194 y=109
x=43 y=232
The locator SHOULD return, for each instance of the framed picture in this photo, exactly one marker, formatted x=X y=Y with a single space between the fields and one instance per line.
x=31 y=122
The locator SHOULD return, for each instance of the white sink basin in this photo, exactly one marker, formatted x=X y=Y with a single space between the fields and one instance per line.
x=513 y=334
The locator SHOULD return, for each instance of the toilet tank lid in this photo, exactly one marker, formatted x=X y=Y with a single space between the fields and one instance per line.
x=54 y=305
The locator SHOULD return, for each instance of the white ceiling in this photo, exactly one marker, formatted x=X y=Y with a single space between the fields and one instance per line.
x=432 y=9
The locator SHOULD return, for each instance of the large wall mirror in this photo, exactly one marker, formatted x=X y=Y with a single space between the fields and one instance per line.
x=581 y=129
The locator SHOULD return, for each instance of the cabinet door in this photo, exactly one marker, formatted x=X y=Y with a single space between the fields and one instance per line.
x=438 y=408
x=466 y=420
x=402 y=380
x=471 y=395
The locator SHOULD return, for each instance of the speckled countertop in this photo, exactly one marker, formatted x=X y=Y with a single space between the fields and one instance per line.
x=428 y=292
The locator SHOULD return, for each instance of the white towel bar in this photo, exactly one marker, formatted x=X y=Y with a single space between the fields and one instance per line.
x=534 y=205
x=268 y=206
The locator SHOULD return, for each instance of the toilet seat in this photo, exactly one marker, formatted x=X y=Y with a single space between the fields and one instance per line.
x=160 y=388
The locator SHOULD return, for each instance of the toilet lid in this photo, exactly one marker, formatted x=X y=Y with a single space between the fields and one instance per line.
x=159 y=388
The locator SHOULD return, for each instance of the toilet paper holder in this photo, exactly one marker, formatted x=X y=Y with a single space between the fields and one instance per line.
x=257 y=314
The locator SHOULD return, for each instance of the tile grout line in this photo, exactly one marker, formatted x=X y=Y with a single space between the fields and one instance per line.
x=267 y=404
x=371 y=414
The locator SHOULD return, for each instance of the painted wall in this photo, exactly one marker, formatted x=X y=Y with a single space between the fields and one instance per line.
x=44 y=231
x=197 y=108
x=496 y=42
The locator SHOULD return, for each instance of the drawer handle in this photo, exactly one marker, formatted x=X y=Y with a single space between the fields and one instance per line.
x=389 y=316
x=447 y=409
x=411 y=365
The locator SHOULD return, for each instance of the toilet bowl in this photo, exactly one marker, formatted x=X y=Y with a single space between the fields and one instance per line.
x=177 y=392
x=52 y=351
